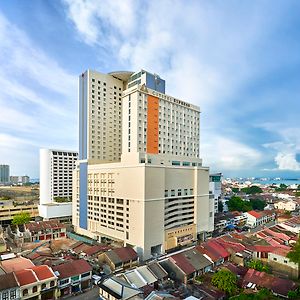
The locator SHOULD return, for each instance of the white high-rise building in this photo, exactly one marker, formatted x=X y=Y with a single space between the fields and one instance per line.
x=156 y=197
x=56 y=178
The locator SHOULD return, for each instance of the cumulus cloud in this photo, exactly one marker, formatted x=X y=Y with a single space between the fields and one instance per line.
x=286 y=148
x=228 y=154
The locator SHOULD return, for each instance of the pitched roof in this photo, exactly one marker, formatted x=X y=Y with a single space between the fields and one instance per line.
x=278 y=285
x=218 y=247
x=126 y=254
x=8 y=281
x=255 y=214
x=43 y=225
x=43 y=272
x=92 y=250
x=158 y=271
x=182 y=263
x=26 y=276
x=72 y=268
x=196 y=259
x=16 y=264
x=118 y=288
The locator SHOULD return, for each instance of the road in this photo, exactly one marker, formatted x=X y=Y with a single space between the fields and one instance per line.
x=91 y=294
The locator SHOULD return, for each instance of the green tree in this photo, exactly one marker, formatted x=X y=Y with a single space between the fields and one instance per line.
x=294 y=254
x=21 y=218
x=258 y=265
x=235 y=190
x=293 y=295
x=258 y=204
x=254 y=189
x=297 y=194
x=263 y=294
x=237 y=203
x=281 y=188
x=220 y=206
x=225 y=280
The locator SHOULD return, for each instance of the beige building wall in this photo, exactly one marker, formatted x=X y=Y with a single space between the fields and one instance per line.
x=129 y=203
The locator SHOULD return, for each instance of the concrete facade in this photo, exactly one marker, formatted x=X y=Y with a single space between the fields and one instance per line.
x=155 y=195
x=56 y=171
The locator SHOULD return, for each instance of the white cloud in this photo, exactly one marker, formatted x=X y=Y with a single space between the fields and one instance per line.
x=287 y=161
x=227 y=154
x=37 y=100
x=92 y=19
x=286 y=148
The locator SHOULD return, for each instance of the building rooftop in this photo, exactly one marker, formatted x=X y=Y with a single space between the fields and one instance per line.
x=8 y=281
x=43 y=272
x=26 y=276
x=72 y=268
x=16 y=264
x=118 y=288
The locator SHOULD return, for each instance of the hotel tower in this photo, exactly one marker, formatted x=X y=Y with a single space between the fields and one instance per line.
x=139 y=179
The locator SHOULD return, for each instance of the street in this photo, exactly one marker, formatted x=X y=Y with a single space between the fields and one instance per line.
x=91 y=294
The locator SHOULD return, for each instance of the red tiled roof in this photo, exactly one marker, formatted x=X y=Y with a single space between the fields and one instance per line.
x=16 y=264
x=281 y=251
x=96 y=249
x=126 y=254
x=42 y=225
x=278 y=285
x=43 y=272
x=182 y=263
x=72 y=268
x=26 y=276
x=255 y=214
x=210 y=252
x=218 y=248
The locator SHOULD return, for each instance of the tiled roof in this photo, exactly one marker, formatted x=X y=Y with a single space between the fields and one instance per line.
x=182 y=263
x=8 y=281
x=72 y=268
x=42 y=225
x=16 y=264
x=26 y=276
x=219 y=247
x=126 y=254
x=92 y=250
x=278 y=285
x=255 y=214
x=196 y=259
x=43 y=272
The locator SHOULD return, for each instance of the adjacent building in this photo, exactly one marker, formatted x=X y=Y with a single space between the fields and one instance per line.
x=4 y=174
x=139 y=179
x=56 y=175
x=215 y=188
x=19 y=180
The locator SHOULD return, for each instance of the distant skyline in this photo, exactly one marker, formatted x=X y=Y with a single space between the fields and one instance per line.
x=239 y=61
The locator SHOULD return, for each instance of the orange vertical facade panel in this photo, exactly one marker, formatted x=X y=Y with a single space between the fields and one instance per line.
x=152 y=124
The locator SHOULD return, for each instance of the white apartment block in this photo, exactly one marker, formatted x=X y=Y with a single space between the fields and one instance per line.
x=215 y=188
x=56 y=179
x=100 y=116
x=157 y=197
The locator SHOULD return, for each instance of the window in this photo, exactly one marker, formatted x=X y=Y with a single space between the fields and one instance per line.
x=5 y=295
x=44 y=286
x=25 y=292
x=275 y=258
x=13 y=294
x=85 y=274
x=52 y=283
x=172 y=193
x=64 y=281
x=285 y=261
x=175 y=163
x=34 y=289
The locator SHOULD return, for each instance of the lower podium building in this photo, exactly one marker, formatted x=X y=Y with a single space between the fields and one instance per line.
x=152 y=207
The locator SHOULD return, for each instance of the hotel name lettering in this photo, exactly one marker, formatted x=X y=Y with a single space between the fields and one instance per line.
x=163 y=96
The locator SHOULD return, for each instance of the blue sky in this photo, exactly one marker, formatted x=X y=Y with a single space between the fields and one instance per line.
x=238 y=60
